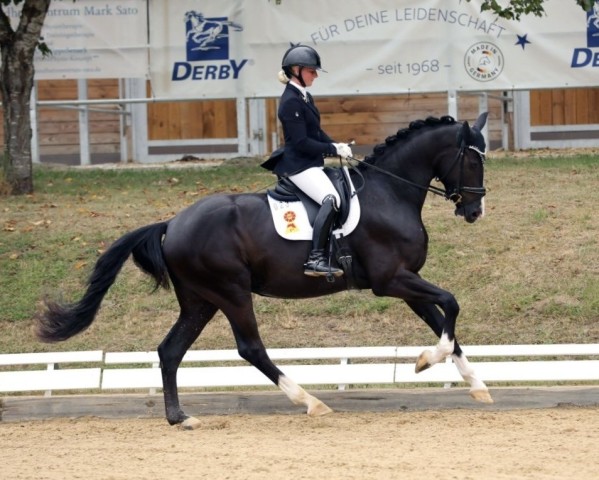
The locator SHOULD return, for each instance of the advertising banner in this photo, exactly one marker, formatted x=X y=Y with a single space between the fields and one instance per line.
x=231 y=48
x=92 y=39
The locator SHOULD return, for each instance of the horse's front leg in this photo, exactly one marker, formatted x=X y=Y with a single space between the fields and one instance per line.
x=478 y=389
x=426 y=299
x=413 y=289
x=433 y=318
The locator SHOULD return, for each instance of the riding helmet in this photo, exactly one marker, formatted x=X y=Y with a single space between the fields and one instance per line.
x=302 y=56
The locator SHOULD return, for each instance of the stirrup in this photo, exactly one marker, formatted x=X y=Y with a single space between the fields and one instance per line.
x=321 y=268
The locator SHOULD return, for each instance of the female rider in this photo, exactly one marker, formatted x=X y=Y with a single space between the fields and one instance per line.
x=306 y=146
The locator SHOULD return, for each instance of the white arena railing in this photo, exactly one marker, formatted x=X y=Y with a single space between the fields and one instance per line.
x=335 y=367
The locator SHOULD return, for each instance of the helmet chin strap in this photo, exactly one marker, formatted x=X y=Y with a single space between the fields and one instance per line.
x=299 y=77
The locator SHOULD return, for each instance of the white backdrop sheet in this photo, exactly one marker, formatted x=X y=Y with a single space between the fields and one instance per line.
x=232 y=48
x=92 y=39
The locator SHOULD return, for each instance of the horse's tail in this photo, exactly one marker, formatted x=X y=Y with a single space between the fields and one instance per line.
x=60 y=322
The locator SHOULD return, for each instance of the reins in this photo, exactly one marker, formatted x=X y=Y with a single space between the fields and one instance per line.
x=454 y=196
x=430 y=188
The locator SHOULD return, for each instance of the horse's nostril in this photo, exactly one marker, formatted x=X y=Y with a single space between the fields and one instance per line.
x=479 y=214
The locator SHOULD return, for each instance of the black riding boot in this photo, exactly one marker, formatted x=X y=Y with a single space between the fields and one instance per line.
x=318 y=263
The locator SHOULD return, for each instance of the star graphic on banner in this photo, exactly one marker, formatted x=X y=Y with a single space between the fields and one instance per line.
x=522 y=40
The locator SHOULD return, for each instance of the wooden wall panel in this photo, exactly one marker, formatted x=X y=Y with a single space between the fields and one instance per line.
x=575 y=106
x=594 y=101
x=558 y=107
x=273 y=127
x=192 y=120
x=570 y=107
x=58 y=127
x=582 y=101
x=368 y=119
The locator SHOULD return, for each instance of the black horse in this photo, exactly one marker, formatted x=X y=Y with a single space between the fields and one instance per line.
x=224 y=248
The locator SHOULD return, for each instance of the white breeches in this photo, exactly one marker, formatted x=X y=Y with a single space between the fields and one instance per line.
x=315 y=183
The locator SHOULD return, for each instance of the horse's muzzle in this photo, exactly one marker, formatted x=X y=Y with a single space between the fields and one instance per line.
x=471 y=211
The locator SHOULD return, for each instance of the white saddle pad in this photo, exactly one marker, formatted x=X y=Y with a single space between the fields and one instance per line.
x=291 y=219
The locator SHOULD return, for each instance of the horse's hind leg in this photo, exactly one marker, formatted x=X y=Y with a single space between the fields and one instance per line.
x=250 y=347
x=192 y=320
x=433 y=318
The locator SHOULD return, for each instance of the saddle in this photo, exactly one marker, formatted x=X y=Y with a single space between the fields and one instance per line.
x=286 y=191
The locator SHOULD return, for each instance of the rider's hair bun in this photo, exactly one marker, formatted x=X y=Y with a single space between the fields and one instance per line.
x=282 y=76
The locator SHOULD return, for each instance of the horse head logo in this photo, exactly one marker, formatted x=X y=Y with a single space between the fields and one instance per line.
x=593 y=26
x=208 y=38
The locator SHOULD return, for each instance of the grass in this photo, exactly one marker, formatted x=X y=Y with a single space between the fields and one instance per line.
x=527 y=273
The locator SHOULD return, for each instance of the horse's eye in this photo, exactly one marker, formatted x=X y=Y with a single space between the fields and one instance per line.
x=474 y=164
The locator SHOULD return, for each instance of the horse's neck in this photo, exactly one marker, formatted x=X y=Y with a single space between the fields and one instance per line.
x=397 y=185
x=410 y=162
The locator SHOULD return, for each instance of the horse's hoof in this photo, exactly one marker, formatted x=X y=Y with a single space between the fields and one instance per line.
x=190 y=423
x=423 y=361
x=482 y=396
x=318 y=409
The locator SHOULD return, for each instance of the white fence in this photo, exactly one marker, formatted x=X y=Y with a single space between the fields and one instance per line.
x=122 y=371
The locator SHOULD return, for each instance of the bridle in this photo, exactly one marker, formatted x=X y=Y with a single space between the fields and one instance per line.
x=455 y=195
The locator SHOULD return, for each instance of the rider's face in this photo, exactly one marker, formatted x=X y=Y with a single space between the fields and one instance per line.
x=308 y=74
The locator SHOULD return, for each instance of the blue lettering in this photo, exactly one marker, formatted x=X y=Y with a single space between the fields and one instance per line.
x=211 y=72
x=224 y=72
x=178 y=74
x=237 y=68
x=185 y=70
x=198 y=71
x=583 y=57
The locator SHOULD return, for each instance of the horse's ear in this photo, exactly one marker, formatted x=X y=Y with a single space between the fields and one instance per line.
x=480 y=121
x=477 y=136
x=464 y=134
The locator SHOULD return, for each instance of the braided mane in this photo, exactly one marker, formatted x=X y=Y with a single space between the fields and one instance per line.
x=405 y=133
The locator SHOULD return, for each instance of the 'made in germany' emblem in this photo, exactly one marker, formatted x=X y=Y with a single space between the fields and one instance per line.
x=484 y=61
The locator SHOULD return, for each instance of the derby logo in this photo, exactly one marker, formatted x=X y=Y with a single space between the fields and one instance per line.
x=207 y=40
x=583 y=57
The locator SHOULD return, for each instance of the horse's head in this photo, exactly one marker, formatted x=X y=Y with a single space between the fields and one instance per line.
x=194 y=17
x=429 y=149
x=463 y=179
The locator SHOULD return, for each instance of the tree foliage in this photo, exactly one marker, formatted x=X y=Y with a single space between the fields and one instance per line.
x=514 y=9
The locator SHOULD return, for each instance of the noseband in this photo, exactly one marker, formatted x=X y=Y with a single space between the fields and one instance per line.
x=455 y=195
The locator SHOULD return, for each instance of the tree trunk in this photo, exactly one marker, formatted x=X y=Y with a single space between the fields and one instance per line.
x=16 y=84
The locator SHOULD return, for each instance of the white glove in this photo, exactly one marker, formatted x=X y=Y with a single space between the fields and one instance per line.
x=343 y=150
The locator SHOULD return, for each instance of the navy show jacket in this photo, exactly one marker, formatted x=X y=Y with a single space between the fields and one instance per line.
x=306 y=144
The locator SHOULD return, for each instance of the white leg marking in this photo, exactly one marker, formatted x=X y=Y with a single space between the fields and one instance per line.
x=443 y=349
x=467 y=372
x=300 y=397
x=482 y=207
x=295 y=393
x=478 y=389
x=445 y=346
x=427 y=358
